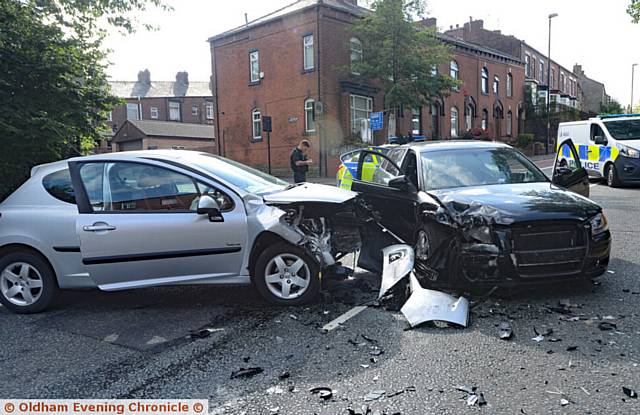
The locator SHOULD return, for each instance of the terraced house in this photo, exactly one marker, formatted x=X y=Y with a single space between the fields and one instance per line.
x=293 y=65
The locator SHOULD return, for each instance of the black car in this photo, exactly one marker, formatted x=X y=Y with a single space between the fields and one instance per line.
x=482 y=213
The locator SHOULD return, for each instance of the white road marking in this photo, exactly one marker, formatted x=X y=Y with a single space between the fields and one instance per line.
x=156 y=340
x=343 y=318
x=111 y=338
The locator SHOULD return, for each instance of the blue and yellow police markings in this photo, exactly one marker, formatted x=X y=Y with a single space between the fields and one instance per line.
x=592 y=157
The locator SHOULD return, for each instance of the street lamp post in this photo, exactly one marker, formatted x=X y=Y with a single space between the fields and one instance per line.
x=546 y=144
x=633 y=68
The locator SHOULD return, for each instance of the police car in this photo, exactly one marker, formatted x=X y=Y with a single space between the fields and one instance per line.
x=349 y=165
x=608 y=145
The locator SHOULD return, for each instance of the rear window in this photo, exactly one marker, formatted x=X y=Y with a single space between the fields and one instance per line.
x=59 y=185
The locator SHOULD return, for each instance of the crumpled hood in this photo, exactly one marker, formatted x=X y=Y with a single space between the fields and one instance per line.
x=508 y=203
x=310 y=192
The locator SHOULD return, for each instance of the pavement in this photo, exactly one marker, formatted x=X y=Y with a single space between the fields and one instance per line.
x=137 y=344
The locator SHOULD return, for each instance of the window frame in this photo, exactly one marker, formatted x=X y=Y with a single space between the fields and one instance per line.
x=509 y=123
x=355 y=54
x=172 y=106
x=154 y=113
x=306 y=46
x=48 y=191
x=131 y=106
x=195 y=110
x=254 y=60
x=309 y=109
x=484 y=83
x=209 y=110
x=509 y=85
x=454 y=119
x=454 y=72
x=255 y=121
x=496 y=85
x=416 y=116
x=484 y=123
x=352 y=110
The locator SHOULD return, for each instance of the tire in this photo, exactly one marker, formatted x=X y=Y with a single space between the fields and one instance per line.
x=277 y=262
x=23 y=271
x=611 y=176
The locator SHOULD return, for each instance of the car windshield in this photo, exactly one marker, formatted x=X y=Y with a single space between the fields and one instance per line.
x=476 y=167
x=624 y=129
x=246 y=178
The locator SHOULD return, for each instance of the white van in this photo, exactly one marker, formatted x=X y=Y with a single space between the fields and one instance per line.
x=608 y=146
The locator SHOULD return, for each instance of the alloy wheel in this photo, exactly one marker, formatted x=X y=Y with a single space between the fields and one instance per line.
x=287 y=276
x=21 y=284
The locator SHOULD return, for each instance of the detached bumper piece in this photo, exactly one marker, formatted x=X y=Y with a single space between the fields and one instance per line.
x=423 y=305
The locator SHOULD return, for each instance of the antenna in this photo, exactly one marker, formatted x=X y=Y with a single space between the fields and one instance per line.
x=246 y=19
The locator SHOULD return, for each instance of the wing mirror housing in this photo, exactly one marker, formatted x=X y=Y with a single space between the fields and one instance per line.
x=208 y=206
x=400 y=182
x=601 y=140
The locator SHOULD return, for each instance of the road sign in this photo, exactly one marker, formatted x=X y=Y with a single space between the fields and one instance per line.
x=377 y=119
x=266 y=124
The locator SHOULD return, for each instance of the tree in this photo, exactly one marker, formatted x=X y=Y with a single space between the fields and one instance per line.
x=400 y=55
x=611 y=107
x=53 y=86
x=634 y=10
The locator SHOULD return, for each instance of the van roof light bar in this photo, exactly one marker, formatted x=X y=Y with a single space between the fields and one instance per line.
x=606 y=116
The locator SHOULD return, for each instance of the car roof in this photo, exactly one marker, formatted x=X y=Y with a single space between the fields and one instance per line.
x=427 y=146
x=128 y=155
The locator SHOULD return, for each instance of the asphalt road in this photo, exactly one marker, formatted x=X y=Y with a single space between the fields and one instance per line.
x=136 y=344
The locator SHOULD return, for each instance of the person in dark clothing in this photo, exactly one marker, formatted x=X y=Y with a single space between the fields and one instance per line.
x=300 y=162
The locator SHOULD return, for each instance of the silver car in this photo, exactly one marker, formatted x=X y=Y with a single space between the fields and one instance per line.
x=150 y=218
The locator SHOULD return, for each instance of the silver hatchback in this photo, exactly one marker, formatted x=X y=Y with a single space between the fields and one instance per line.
x=150 y=218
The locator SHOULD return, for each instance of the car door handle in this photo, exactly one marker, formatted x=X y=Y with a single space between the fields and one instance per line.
x=98 y=228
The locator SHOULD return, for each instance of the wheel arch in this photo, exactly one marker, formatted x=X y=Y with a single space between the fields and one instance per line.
x=12 y=247
x=263 y=240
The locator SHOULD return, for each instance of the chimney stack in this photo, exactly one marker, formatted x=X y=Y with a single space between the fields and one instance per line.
x=182 y=78
x=144 y=77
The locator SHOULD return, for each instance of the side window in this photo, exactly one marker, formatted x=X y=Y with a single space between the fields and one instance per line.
x=567 y=157
x=596 y=131
x=136 y=187
x=58 y=185
x=379 y=172
x=410 y=168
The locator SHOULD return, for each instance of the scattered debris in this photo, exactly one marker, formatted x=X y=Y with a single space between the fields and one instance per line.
x=397 y=263
x=246 y=373
x=293 y=317
x=428 y=305
x=275 y=390
x=506 y=333
x=630 y=392
x=369 y=339
x=374 y=395
x=607 y=326
x=564 y=402
x=203 y=333
x=474 y=397
x=540 y=335
x=538 y=338
x=284 y=375
x=376 y=352
x=401 y=391
x=323 y=392
x=572 y=348
x=585 y=391
x=611 y=271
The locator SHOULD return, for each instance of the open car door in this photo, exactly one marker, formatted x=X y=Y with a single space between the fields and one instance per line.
x=568 y=171
x=393 y=198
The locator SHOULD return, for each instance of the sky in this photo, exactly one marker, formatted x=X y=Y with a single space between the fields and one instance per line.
x=597 y=34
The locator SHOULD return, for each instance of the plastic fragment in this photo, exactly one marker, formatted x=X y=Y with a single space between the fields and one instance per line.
x=374 y=395
x=323 y=392
x=630 y=392
x=607 y=326
x=246 y=373
x=564 y=402
x=506 y=332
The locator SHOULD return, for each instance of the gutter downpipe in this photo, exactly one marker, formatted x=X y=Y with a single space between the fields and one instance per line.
x=321 y=150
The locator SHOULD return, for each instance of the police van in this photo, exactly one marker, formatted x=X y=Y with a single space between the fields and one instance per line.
x=608 y=147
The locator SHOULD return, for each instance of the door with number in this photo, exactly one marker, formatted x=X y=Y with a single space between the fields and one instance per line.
x=138 y=225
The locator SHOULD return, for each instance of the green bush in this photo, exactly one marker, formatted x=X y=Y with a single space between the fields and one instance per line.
x=524 y=140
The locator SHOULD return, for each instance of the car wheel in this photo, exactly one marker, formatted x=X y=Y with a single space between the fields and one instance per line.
x=27 y=282
x=286 y=275
x=612 y=176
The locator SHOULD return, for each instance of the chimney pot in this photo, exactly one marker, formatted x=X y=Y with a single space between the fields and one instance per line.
x=182 y=78
x=144 y=77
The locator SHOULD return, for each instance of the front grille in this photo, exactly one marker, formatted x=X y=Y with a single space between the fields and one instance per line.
x=545 y=249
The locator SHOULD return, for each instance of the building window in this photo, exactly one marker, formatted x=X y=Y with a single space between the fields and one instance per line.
x=470 y=113
x=532 y=70
x=154 y=113
x=209 y=108
x=254 y=65
x=174 y=111
x=110 y=116
x=454 y=73
x=356 y=53
x=309 y=116
x=509 y=126
x=541 y=74
x=485 y=81
x=360 y=109
x=132 y=112
x=256 y=124
x=434 y=70
x=527 y=59
x=553 y=78
x=485 y=119
x=496 y=84
x=563 y=83
x=454 y=122
x=416 y=121
x=194 y=110
x=307 y=47
x=509 y=85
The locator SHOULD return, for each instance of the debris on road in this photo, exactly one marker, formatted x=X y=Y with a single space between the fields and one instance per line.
x=246 y=373
x=374 y=395
x=506 y=332
x=275 y=390
x=429 y=305
x=607 y=326
x=203 y=333
x=397 y=263
x=401 y=391
x=630 y=392
x=564 y=402
x=284 y=375
x=572 y=348
x=473 y=396
x=323 y=392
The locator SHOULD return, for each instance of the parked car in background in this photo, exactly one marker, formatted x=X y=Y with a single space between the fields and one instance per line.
x=481 y=213
x=138 y=219
x=608 y=146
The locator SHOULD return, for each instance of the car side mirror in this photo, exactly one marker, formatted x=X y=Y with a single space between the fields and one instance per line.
x=600 y=139
x=208 y=206
x=400 y=183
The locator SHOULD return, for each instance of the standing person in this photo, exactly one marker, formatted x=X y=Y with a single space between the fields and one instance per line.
x=300 y=162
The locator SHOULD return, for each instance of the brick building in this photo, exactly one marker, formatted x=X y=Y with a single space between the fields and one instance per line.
x=294 y=65
x=152 y=135
x=181 y=102
x=594 y=92
x=568 y=88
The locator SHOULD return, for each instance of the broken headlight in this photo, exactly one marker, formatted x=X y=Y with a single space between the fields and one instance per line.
x=599 y=224
x=481 y=234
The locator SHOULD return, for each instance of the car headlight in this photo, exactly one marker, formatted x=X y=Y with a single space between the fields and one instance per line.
x=628 y=151
x=599 y=224
x=481 y=234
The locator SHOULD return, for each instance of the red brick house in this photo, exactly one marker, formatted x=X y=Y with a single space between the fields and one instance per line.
x=294 y=66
